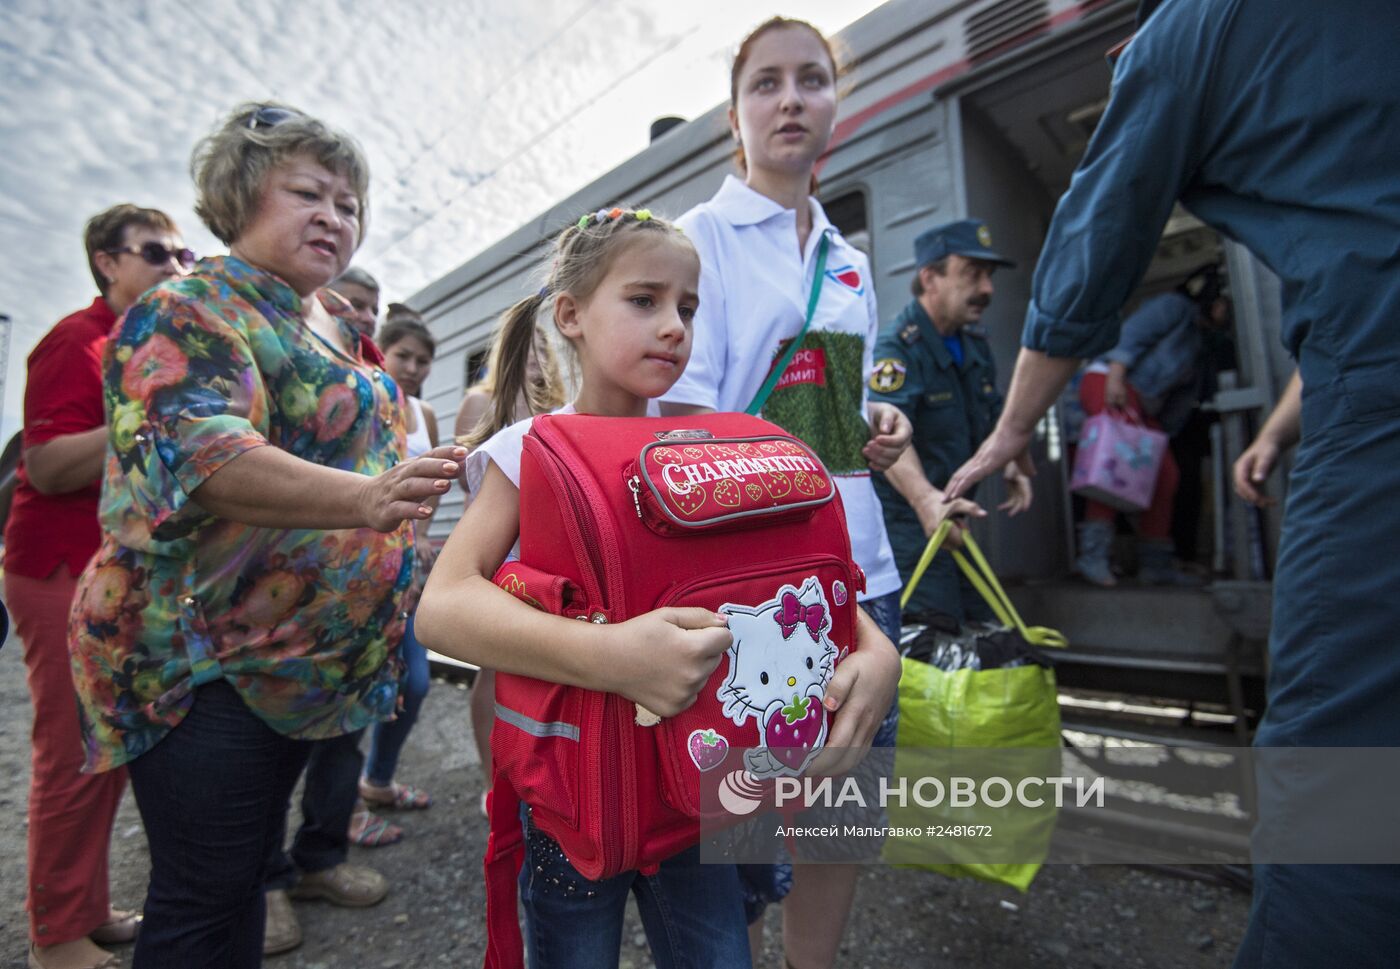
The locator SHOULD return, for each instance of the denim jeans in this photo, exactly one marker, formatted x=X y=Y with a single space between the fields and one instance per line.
x=386 y=739
x=327 y=801
x=692 y=912
x=213 y=798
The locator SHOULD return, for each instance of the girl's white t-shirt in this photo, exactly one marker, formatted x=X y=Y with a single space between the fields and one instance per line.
x=754 y=289
x=502 y=449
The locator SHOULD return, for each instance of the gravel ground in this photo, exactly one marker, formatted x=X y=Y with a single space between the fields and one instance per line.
x=1096 y=917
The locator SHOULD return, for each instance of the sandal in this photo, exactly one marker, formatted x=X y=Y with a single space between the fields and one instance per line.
x=401 y=797
x=109 y=961
x=369 y=830
x=119 y=928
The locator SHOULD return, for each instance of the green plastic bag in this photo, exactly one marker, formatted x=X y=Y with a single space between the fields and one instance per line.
x=978 y=723
x=998 y=722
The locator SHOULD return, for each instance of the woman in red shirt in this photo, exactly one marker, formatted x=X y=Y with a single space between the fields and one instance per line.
x=51 y=533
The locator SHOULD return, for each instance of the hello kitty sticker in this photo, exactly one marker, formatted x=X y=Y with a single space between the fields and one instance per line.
x=780 y=662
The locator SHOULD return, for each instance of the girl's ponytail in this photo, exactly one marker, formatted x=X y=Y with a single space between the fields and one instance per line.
x=510 y=363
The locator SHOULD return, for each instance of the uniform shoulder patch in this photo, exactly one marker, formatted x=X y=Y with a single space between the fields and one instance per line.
x=909 y=333
x=887 y=375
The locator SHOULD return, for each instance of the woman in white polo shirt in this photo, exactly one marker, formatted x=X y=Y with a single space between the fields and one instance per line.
x=767 y=253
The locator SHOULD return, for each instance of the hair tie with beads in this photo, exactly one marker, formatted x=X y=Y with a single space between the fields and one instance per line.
x=608 y=215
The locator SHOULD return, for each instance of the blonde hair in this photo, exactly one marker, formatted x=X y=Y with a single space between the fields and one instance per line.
x=230 y=165
x=582 y=255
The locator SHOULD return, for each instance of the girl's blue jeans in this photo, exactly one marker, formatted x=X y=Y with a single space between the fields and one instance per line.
x=693 y=913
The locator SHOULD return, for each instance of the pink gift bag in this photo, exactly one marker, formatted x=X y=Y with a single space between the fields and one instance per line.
x=1117 y=462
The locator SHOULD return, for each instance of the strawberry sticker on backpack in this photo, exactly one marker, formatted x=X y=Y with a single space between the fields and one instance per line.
x=707 y=748
x=780 y=663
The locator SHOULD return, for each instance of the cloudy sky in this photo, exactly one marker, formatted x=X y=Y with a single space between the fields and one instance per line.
x=476 y=115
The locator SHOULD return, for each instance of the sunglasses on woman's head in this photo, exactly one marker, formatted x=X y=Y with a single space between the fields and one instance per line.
x=157 y=254
x=269 y=117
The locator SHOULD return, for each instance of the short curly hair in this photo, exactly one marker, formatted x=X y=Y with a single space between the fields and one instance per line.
x=230 y=165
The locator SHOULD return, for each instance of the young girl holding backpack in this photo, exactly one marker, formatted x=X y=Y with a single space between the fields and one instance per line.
x=778 y=276
x=622 y=291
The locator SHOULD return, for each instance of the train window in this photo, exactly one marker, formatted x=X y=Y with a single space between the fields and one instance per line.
x=476 y=365
x=850 y=214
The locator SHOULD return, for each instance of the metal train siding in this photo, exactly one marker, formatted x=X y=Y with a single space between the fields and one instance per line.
x=955 y=109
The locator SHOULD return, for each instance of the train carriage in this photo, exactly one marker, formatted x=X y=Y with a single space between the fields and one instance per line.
x=982 y=108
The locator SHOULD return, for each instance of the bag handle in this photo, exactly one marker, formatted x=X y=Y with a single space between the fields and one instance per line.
x=1128 y=414
x=776 y=374
x=935 y=541
x=984 y=580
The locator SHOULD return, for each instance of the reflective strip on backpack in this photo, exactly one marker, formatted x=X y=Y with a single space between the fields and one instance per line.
x=536 y=728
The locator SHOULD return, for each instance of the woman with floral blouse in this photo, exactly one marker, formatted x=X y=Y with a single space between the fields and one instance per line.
x=256 y=532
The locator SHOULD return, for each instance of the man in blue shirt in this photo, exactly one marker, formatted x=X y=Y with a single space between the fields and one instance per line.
x=933 y=363
x=1277 y=122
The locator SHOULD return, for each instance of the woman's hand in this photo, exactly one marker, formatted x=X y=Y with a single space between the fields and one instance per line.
x=859 y=696
x=665 y=657
x=399 y=493
x=890 y=433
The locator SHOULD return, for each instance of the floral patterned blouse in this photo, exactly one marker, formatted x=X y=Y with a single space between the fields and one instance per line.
x=305 y=624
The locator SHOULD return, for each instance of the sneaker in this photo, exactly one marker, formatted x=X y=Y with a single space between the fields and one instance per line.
x=283 y=932
x=347 y=885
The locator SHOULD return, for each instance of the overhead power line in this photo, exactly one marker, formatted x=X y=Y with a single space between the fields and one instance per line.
x=530 y=143
x=506 y=76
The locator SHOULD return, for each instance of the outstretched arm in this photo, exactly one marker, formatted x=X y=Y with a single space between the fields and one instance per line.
x=269 y=487
x=1036 y=384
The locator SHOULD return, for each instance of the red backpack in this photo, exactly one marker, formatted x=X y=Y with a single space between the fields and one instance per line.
x=619 y=516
